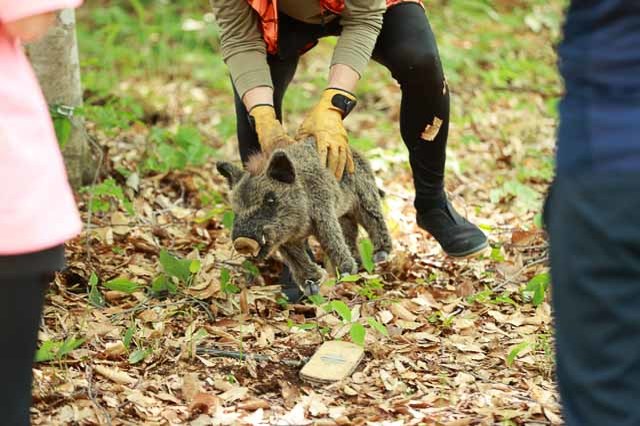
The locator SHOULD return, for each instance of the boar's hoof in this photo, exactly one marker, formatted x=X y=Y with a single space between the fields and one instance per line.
x=348 y=268
x=246 y=246
x=380 y=256
x=311 y=287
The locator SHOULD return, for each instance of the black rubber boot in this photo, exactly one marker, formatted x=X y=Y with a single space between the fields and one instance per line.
x=457 y=236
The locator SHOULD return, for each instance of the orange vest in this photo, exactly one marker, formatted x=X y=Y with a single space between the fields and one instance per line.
x=268 y=12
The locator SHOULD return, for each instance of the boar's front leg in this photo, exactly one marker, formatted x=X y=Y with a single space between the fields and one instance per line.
x=329 y=234
x=372 y=220
x=306 y=273
x=350 y=231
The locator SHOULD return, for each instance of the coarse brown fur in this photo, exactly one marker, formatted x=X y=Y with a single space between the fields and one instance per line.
x=257 y=163
x=288 y=196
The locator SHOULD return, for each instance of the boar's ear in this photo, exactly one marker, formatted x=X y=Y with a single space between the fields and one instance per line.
x=281 y=168
x=229 y=171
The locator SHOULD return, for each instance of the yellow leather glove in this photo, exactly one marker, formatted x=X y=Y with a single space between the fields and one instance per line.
x=270 y=132
x=324 y=122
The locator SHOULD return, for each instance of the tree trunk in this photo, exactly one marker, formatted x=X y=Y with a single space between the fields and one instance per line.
x=55 y=61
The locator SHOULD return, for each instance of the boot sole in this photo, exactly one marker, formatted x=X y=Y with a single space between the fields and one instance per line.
x=474 y=252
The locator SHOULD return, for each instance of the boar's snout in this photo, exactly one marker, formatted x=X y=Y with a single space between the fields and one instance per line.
x=246 y=246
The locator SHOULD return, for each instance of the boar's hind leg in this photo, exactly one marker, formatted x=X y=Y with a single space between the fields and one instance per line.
x=329 y=234
x=306 y=273
x=372 y=220
x=350 y=231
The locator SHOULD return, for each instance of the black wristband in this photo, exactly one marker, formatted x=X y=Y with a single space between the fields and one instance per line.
x=343 y=103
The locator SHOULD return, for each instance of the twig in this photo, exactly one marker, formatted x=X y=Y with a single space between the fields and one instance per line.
x=513 y=277
x=89 y=373
x=243 y=356
x=202 y=304
x=95 y=179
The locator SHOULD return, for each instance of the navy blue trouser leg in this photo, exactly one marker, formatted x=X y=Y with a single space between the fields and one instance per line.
x=594 y=227
x=593 y=216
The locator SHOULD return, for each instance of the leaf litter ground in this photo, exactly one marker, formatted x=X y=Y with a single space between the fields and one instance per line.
x=469 y=341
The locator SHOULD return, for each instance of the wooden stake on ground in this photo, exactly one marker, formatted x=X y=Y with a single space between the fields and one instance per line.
x=333 y=361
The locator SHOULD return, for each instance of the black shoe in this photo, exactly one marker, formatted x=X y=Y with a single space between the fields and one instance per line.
x=290 y=289
x=457 y=236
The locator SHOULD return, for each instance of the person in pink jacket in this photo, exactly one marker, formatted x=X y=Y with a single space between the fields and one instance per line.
x=37 y=209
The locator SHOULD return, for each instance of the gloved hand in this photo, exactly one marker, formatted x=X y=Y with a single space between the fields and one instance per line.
x=324 y=122
x=270 y=132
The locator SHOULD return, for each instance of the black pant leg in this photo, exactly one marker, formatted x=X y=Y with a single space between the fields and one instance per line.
x=594 y=231
x=407 y=47
x=21 y=300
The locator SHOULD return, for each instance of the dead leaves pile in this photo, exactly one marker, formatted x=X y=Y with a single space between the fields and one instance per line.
x=444 y=362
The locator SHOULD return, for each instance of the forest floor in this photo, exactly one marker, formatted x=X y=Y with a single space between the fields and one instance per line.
x=153 y=285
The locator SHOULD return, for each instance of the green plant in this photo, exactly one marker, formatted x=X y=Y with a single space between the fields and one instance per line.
x=226 y=282
x=56 y=350
x=167 y=151
x=488 y=296
x=61 y=118
x=517 y=350
x=536 y=288
x=526 y=198
x=441 y=319
x=106 y=196
x=365 y=247
x=175 y=272
x=122 y=284
x=357 y=330
x=95 y=296
x=371 y=288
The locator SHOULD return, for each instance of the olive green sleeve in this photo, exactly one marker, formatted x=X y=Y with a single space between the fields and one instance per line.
x=361 y=23
x=243 y=48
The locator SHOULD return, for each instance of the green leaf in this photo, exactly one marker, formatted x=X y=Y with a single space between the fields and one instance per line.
x=194 y=266
x=226 y=284
x=93 y=279
x=175 y=267
x=163 y=283
x=251 y=268
x=122 y=284
x=128 y=335
x=341 y=309
x=51 y=350
x=46 y=351
x=227 y=219
x=503 y=298
x=357 y=333
x=366 y=253
x=513 y=354
x=379 y=327
x=95 y=297
x=138 y=355
x=537 y=221
x=63 y=127
x=225 y=276
x=350 y=278
x=330 y=283
x=317 y=299
x=538 y=286
x=496 y=254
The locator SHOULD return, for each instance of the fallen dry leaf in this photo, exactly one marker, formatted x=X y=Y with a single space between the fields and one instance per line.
x=114 y=375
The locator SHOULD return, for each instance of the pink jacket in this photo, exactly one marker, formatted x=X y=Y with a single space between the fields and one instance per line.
x=37 y=208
